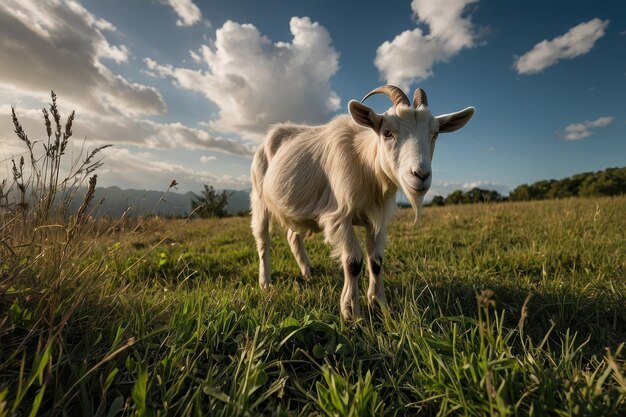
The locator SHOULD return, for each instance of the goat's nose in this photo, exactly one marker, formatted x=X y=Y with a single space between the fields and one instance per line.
x=422 y=174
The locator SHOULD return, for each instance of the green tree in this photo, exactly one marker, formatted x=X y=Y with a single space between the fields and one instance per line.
x=456 y=197
x=438 y=201
x=539 y=190
x=567 y=187
x=520 y=193
x=491 y=196
x=210 y=203
x=609 y=182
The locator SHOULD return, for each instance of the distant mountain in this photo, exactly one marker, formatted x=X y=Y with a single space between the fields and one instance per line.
x=141 y=202
x=238 y=201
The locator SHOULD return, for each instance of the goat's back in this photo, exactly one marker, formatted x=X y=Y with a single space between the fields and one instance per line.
x=303 y=172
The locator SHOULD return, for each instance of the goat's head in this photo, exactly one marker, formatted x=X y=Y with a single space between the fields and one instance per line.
x=407 y=136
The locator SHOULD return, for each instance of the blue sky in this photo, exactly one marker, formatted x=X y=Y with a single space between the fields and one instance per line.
x=186 y=90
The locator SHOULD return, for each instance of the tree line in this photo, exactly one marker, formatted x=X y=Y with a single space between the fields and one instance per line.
x=608 y=182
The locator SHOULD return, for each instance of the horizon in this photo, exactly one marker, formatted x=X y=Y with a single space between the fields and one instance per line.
x=428 y=197
x=170 y=85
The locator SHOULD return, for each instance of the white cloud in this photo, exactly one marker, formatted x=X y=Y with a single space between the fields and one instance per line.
x=143 y=171
x=256 y=82
x=128 y=168
x=206 y=159
x=444 y=188
x=140 y=168
x=410 y=56
x=578 y=131
x=486 y=185
x=188 y=13
x=577 y=41
x=100 y=129
x=60 y=45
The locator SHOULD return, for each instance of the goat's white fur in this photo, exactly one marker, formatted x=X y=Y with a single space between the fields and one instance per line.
x=331 y=177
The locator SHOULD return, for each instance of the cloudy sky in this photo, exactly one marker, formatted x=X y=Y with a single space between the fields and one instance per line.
x=186 y=89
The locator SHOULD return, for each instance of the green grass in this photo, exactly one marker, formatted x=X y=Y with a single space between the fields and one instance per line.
x=504 y=309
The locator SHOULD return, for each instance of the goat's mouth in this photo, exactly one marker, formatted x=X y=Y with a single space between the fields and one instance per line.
x=420 y=190
x=415 y=186
x=414 y=193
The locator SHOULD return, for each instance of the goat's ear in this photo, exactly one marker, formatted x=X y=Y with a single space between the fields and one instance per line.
x=454 y=121
x=365 y=116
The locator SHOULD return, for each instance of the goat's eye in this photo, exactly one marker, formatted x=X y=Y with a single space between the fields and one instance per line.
x=387 y=134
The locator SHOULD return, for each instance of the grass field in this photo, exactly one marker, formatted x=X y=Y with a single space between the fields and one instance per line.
x=502 y=309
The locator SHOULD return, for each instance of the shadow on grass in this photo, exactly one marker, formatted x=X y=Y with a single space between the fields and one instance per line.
x=600 y=318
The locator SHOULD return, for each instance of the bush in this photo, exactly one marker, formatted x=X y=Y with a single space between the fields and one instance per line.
x=210 y=203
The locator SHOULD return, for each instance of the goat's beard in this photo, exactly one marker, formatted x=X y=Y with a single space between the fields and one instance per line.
x=417 y=201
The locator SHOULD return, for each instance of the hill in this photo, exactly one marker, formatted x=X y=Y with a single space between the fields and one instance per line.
x=116 y=201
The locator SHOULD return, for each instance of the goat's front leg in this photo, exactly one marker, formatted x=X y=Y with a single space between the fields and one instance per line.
x=375 y=250
x=349 y=304
x=340 y=234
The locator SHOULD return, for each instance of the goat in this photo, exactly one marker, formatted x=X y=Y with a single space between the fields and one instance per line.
x=342 y=174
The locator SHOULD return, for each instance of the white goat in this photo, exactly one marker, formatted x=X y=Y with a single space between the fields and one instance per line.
x=344 y=173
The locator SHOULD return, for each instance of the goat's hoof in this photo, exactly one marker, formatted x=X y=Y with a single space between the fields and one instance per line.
x=350 y=314
x=265 y=283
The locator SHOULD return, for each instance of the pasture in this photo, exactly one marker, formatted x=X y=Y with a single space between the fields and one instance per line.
x=494 y=309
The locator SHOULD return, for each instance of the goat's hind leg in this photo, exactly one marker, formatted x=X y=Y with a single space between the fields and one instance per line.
x=261 y=232
x=296 y=242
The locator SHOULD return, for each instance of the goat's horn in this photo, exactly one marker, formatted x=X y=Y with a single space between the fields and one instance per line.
x=419 y=97
x=396 y=95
